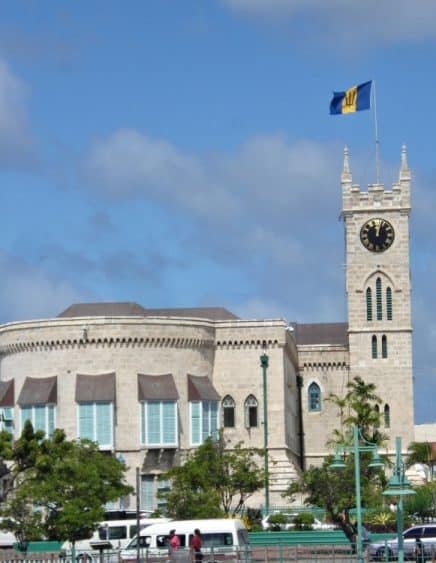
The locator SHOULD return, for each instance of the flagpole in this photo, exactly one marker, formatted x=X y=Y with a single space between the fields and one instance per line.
x=377 y=142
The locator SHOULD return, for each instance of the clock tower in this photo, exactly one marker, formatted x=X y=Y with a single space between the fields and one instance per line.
x=378 y=294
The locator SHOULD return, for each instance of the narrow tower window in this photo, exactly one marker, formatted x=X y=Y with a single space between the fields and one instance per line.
x=378 y=291
x=374 y=346
x=368 y=304
x=387 y=416
x=228 y=405
x=384 y=346
x=250 y=408
x=314 y=397
x=389 y=303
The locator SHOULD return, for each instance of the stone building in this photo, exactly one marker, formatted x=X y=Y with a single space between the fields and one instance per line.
x=151 y=384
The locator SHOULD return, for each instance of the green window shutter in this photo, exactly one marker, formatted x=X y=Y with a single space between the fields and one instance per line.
x=368 y=304
x=389 y=303
x=86 y=421
x=153 y=422
x=143 y=408
x=374 y=346
x=169 y=419
x=195 y=422
x=378 y=291
x=26 y=414
x=50 y=419
x=147 y=492
x=103 y=413
x=40 y=421
x=8 y=422
x=205 y=431
x=214 y=419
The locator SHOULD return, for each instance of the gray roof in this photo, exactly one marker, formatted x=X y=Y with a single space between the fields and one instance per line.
x=133 y=309
x=321 y=333
x=103 y=310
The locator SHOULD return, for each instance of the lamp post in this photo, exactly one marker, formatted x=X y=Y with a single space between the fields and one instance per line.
x=359 y=445
x=399 y=487
x=264 y=363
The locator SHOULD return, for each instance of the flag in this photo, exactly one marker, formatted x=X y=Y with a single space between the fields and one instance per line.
x=354 y=99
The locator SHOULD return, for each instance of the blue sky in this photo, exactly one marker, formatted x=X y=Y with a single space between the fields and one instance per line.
x=182 y=154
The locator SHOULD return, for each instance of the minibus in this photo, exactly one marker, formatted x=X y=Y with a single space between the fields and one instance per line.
x=221 y=538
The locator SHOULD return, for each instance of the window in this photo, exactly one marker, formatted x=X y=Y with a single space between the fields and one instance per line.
x=159 y=423
x=42 y=417
x=314 y=397
x=384 y=346
x=151 y=486
x=204 y=420
x=368 y=304
x=96 y=423
x=378 y=292
x=7 y=419
x=389 y=303
x=387 y=416
x=374 y=346
x=250 y=408
x=228 y=406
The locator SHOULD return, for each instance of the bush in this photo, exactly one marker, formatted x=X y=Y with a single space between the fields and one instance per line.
x=304 y=521
x=277 y=521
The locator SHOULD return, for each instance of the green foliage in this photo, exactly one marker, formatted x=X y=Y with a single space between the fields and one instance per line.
x=277 y=521
x=59 y=486
x=213 y=481
x=334 y=490
x=304 y=521
x=421 y=452
x=423 y=503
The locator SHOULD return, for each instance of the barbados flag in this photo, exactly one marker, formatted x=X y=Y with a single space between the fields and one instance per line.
x=354 y=99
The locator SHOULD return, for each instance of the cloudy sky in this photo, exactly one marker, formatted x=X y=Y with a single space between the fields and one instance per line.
x=182 y=154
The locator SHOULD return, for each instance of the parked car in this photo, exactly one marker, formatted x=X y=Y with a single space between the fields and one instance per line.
x=286 y=521
x=421 y=537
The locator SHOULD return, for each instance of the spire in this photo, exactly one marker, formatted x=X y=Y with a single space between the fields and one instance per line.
x=346 y=174
x=404 y=169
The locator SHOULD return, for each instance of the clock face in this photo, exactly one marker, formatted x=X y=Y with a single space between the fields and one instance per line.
x=377 y=235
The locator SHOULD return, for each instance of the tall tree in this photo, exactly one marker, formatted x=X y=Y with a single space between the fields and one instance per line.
x=335 y=490
x=421 y=452
x=213 y=481
x=58 y=487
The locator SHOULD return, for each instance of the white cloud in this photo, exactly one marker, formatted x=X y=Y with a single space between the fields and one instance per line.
x=28 y=292
x=386 y=21
x=16 y=145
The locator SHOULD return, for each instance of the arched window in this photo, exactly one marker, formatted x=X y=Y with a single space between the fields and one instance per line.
x=384 y=346
x=378 y=295
x=314 y=397
x=389 y=303
x=374 y=346
x=250 y=408
x=387 y=416
x=228 y=406
x=368 y=304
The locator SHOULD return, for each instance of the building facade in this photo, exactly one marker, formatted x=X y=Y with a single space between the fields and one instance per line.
x=149 y=385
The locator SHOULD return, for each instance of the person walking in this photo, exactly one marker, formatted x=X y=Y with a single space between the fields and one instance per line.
x=197 y=555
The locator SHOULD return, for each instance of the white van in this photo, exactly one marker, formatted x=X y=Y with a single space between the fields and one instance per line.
x=221 y=538
x=112 y=534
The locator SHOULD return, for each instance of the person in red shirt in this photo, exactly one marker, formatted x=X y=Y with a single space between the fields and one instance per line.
x=196 y=546
x=174 y=541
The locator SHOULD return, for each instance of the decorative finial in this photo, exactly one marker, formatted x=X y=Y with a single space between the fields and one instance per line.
x=346 y=168
x=404 y=169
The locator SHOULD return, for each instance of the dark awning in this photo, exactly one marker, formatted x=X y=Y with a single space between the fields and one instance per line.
x=39 y=391
x=95 y=388
x=157 y=388
x=7 y=394
x=201 y=389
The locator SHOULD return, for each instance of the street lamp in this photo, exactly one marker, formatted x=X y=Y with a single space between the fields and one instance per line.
x=399 y=487
x=264 y=362
x=359 y=445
